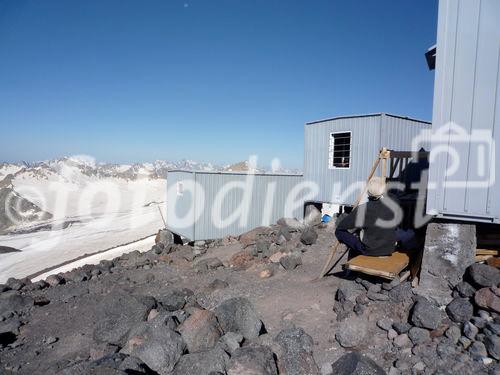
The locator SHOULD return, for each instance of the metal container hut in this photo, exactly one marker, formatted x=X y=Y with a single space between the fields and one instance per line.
x=339 y=152
x=211 y=205
x=466 y=112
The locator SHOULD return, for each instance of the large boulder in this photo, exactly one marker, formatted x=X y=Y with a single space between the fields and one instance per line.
x=175 y=299
x=356 y=364
x=12 y=301
x=17 y=284
x=487 y=299
x=165 y=237
x=297 y=353
x=492 y=343
x=426 y=315
x=460 y=310
x=154 y=343
x=284 y=234
x=465 y=290
x=238 y=315
x=200 y=331
x=483 y=275
x=291 y=261
x=309 y=236
x=418 y=335
x=203 y=363
x=257 y=360
x=352 y=332
x=231 y=341
x=449 y=250
x=348 y=291
x=116 y=313
x=312 y=215
x=401 y=293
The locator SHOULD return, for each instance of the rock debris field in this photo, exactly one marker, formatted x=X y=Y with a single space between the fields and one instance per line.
x=244 y=306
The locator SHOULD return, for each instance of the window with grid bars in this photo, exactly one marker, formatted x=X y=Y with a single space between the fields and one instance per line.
x=340 y=150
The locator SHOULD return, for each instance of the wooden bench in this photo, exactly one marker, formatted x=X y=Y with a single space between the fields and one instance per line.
x=388 y=267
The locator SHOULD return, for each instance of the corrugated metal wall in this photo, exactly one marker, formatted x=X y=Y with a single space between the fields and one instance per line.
x=369 y=134
x=398 y=133
x=180 y=211
x=213 y=206
x=466 y=93
x=365 y=143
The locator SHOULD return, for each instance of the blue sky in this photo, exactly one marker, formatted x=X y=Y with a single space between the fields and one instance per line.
x=209 y=80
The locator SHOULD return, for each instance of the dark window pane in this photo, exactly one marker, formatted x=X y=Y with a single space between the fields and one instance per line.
x=341 y=150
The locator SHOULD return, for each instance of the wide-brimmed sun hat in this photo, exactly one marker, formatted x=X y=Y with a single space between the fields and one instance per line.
x=376 y=187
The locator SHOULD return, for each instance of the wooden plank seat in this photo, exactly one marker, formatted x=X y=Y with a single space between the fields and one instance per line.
x=388 y=267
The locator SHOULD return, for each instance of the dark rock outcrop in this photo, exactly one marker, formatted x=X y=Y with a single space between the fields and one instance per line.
x=297 y=357
x=155 y=344
x=202 y=363
x=356 y=364
x=426 y=315
x=460 y=310
x=200 y=331
x=238 y=315
x=257 y=360
x=449 y=250
x=116 y=313
x=309 y=236
x=483 y=275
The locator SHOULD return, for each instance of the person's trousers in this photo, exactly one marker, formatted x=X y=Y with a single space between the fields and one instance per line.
x=352 y=241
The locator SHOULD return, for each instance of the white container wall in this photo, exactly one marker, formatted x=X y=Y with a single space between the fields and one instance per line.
x=467 y=102
x=211 y=205
x=368 y=134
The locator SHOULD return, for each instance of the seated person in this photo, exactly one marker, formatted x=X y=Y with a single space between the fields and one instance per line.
x=374 y=239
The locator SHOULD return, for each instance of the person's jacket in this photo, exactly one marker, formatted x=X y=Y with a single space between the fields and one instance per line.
x=378 y=240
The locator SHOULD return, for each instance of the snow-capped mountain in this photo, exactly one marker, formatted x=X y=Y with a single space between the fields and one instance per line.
x=71 y=168
x=79 y=166
x=74 y=186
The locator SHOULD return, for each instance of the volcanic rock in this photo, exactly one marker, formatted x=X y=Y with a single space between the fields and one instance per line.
x=116 y=313
x=297 y=356
x=352 y=332
x=492 y=344
x=483 y=275
x=460 y=310
x=309 y=236
x=356 y=364
x=449 y=250
x=200 y=331
x=156 y=345
x=238 y=315
x=291 y=261
x=426 y=315
x=487 y=299
x=175 y=299
x=231 y=341
x=418 y=335
x=257 y=360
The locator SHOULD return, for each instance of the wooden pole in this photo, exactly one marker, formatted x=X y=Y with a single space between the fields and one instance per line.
x=326 y=267
x=162 y=218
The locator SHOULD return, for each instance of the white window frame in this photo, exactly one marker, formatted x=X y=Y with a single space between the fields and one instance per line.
x=331 y=149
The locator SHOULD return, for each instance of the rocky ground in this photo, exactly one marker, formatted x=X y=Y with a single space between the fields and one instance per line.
x=244 y=306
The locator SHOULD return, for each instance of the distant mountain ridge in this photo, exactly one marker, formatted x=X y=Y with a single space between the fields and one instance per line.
x=29 y=191
x=134 y=171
